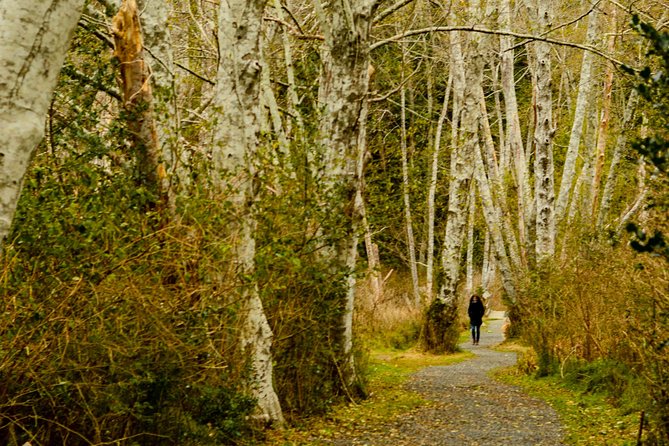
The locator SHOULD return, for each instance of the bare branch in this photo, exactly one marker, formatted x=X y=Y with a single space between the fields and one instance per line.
x=478 y=29
x=545 y=33
x=188 y=70
x=391 y=10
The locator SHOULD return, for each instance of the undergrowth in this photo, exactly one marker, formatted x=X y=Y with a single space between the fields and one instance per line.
x=585 y=398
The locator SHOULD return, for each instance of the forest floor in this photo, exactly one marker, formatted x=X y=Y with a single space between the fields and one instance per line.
x=466 y=407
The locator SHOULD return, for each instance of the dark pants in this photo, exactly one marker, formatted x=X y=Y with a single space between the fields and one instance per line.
x=476 y=332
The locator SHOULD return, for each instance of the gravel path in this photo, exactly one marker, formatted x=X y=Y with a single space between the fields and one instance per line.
x=470 y=409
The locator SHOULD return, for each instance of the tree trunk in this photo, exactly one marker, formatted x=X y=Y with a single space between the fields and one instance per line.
x=514 y=137
x=493 y=222
x=543 y=138
x=621 y=141
x=434 y=171
x=604 y=123
x=34 y=38
x=154 y=17
x=293 y=98
x=342 y=97
x=440 y=333
x=138 y=100
x=584 y=94
x=411 y=244
x=582 y=193
x=237 y=139
x=469 y=281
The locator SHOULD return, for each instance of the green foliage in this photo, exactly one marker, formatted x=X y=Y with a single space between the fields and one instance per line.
x=303 y=286
x=653 y=87
x=115 y=327
x=653 y=317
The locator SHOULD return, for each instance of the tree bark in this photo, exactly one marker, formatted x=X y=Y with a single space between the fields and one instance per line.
x=411 y=244
x=514 y=137
x=469 y=281
x=584 y=94
x=621 y=142
x=543 y=138
x=138 y=100
x=237 y=139
x=434 y=171
x=34 y=38
x=495 y=227
x=342 y=97
x=159 y=56
x=440 y=333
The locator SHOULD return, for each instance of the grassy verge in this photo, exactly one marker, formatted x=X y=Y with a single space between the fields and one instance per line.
x=589 y=419
x=387 y=372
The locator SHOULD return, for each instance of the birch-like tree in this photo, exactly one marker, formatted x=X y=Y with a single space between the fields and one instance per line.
x=514 y=137
x=342 y=99
x=585 y=87
x=544 y=131
x=442 y=314
x=236 y=141
x=34 y=38
x=432 y=188
x=411 y=244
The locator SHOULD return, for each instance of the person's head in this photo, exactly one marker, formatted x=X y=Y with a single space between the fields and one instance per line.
x=475 y=298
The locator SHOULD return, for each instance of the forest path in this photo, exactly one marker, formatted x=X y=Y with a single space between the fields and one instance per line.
x=470 y=409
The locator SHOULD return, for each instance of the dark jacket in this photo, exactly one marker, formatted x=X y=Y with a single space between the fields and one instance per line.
x=476 y=311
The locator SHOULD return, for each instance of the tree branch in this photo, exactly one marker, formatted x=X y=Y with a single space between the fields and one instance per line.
x=188 y=70
x=291 y=29
x=545 y=33
x=477 y=29
x=390 y=10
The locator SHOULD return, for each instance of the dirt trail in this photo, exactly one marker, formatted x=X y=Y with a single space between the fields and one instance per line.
x=470 y=409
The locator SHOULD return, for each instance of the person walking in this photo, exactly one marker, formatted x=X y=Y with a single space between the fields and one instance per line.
x=476 y=311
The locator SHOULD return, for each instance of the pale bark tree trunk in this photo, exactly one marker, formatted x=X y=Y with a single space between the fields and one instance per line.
x=636 y=206
x=621 y=141
x=274 y=112
x=543 y=137
x=237 y=138
x=604 y=123
x=373 y=263
x=411 y=244
x=442 y=314
x=138 y=100
x=495 y=227
x=488 y=272
x=469 y=278
x=514 y=137
x=500 y=191
x=434 y=171
x=34 y=38
x=581 y=195
x=602 y=134
x=342 y=97
x=585 y=86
